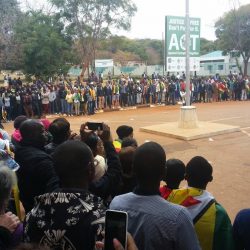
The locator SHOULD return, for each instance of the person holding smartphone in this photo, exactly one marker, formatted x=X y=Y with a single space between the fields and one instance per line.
x=72 y=216
x=104 y=187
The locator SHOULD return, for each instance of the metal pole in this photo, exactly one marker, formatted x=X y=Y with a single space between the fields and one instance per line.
x=187 y=54
x=163 y=54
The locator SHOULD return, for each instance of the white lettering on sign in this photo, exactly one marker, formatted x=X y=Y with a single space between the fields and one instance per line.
x=176 y=21
x=183 y=42
x=174 y=43
x=193 y=41
x=194 y=22
x=177 y=45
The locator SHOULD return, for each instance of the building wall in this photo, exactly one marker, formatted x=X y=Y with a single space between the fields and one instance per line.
x=206 y=69
x=217 y=68
x=126 y=70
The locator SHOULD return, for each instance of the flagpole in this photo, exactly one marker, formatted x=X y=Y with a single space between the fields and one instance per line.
x=187 y=54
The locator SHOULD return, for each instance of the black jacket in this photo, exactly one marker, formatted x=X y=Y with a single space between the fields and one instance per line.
x=36 y=174
x=50 y=148
x=62 y=93
x=5 y=238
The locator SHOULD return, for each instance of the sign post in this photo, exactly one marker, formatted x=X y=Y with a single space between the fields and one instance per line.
x=183 y=54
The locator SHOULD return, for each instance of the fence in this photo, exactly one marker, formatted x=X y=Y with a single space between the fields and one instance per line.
x=137 y=70
x=206 y=69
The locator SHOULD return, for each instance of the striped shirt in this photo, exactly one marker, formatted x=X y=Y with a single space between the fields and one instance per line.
x=157 y=224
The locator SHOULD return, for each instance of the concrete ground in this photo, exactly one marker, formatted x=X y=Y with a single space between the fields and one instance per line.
x=229 y=154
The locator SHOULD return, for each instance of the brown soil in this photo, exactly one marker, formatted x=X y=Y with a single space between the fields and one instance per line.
x=229 y=154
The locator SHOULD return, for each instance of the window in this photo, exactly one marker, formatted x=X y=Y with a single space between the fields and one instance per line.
x=210 y=67
x=213 y=61
x=220 y=67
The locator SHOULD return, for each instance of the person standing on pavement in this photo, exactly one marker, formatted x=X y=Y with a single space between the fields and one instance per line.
x=45 y=100
x=69 y=100
x=27 y=103
x=77 y=99
x=100 y=96
x=52 y=101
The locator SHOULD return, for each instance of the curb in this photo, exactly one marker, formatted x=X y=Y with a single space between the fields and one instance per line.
x=117 y=109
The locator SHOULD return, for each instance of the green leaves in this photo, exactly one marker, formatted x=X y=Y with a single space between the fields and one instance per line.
x=150 y=50
x=208 y=46
x=232 y=31
x=88 y=21
x=44 y=45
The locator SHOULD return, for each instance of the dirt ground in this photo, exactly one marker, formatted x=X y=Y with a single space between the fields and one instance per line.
x=229 y=154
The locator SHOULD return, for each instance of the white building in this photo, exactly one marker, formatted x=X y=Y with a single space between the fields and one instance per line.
x=217 y=63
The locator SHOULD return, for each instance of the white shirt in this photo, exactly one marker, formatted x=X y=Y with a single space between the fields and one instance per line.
x=100 y=168
x=52 y=96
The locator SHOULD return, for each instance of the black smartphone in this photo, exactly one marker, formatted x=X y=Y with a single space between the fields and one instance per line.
x=95 y=125
x=116 y=223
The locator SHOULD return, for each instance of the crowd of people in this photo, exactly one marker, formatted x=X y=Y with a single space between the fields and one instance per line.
x=66 y=182
x=85 y=98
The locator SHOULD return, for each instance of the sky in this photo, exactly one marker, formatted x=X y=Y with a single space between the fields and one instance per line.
x=149 y=21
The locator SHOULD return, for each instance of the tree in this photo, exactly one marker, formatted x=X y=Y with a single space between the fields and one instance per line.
x=9 y=48
x=233 y=31
x=208 y=46
x=150 y=50
x=45 y=46
x=88 y=21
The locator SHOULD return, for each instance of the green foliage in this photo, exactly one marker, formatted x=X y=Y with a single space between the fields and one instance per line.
x=139 y=47
x=232 y=31
x=208 y=46
x=88 y=21
x=150 y=50
x=45 y=46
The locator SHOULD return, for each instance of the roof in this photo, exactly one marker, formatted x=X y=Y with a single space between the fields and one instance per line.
x=217 y=53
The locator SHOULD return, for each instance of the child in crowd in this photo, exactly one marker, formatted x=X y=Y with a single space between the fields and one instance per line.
x=16 y=136
x=211 y=222
x=129 y=142
x=174 y=174
x=123 y=132
x=129 y=182
x=97 y=148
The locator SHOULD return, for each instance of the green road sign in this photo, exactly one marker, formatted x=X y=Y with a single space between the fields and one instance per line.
x=175 y=29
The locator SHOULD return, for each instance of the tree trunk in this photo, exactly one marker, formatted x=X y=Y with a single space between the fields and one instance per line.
x=239 y=66
x=82 y=72
x=245 y=66
x=88 y=69
x=85 y=66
